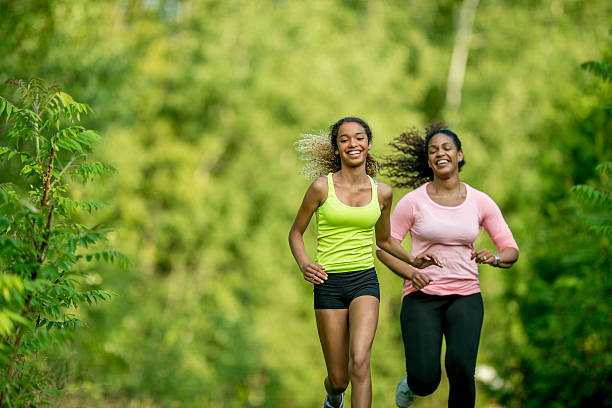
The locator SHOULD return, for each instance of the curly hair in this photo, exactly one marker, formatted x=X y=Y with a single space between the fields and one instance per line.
x=409 y=167
x=319 y=151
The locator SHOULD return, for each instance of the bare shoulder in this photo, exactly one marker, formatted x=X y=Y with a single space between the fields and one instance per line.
x=319 y=185
x=318 y=189
x=320 y=182
x=384 y=191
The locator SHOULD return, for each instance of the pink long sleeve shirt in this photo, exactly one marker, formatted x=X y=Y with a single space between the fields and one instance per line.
x=449 y=233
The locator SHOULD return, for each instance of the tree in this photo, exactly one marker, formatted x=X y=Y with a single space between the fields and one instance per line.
x=43 y=248
x=565 y=359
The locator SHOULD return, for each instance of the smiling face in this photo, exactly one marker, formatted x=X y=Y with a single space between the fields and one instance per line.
x=443 y=156
x=352 y=144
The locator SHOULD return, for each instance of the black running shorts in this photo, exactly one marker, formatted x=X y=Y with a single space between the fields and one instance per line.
x=341 y=288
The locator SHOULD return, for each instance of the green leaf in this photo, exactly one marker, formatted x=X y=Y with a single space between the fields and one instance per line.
x=600 y=69
x=9 y=109
x=65 y=98
x=605 y=169
x=8 y=321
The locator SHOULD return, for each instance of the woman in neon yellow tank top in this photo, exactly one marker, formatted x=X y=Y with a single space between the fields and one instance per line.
x=351 y=211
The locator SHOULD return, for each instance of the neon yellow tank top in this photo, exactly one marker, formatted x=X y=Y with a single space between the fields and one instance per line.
x=345 y=234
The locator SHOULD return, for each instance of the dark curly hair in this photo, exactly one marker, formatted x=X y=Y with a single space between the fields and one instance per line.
x=408 y=167
x=371 y=164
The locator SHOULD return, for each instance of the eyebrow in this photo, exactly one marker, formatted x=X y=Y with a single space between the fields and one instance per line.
x=443 y=144
x=356 y=133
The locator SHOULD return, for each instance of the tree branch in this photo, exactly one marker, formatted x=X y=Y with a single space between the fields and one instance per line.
x=456 y=71
x=43 y=201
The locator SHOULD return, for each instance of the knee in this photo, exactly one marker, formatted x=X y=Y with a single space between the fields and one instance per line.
x=460 y=371
x=460 y=375
x=424 y=385
x=360 y=367
x=338 y=382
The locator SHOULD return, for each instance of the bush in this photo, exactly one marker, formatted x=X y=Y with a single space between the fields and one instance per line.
x=43 y=250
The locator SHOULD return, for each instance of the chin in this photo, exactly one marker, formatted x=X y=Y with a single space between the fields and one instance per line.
x=353 y=163
x=445 y=170
x=445 y=174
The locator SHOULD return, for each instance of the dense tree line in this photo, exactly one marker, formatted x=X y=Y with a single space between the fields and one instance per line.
x=199 y=104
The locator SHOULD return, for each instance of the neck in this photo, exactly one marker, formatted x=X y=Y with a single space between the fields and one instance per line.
x=353 y=175
x=447 y=185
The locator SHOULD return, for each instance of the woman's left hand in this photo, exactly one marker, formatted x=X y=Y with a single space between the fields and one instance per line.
x=425 y=260
x=483 y=256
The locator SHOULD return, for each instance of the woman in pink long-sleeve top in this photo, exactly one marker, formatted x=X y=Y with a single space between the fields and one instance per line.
x=443 y=217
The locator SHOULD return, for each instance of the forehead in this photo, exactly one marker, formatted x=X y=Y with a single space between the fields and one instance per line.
x=350 y=128
x=439 y=139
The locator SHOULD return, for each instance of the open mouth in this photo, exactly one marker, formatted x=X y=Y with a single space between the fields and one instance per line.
x=442 y=162
x=353 y=153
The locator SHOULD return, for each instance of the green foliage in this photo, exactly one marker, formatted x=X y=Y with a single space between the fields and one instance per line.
x=566 y=313
x=601 y=69
x=565 y=360
x=200 y=103
x=42 y=248
x=597 y=202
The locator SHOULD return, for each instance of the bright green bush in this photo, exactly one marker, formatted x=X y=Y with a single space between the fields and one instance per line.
x=565 y=359
x=44 y=250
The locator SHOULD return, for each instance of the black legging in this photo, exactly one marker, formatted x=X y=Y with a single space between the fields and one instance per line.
x=425 y=318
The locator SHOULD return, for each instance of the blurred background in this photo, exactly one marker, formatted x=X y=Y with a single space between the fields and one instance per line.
x=200 y=102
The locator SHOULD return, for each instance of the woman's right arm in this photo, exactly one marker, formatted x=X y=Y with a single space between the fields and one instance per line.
x=314 y=197
x=403 y=270
x=401 y=221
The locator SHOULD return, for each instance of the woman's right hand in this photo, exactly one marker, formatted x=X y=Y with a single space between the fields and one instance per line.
x=313 y=273
x=420 y=280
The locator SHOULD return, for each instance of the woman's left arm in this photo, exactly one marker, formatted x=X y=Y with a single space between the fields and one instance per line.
x=387 y=243
x=495 y=225
x=505 y=259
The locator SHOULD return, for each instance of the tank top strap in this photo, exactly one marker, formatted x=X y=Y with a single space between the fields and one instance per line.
x=374 y=184
x=330 y=185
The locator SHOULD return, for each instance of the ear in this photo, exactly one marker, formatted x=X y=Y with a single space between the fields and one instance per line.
x=460 y=156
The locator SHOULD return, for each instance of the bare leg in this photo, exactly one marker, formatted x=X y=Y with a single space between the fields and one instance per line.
x=363 y=319
x=333 y=327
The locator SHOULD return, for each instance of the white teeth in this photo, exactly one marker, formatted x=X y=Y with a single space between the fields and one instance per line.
x=442 y=161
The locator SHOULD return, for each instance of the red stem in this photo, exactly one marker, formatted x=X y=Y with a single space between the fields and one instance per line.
x=43 y=202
